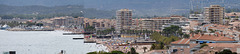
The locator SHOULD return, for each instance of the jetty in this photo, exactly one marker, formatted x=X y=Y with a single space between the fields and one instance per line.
x=76 y=38
x=85 y=33
x=89 y=41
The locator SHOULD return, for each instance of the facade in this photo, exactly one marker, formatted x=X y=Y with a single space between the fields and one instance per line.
x=233 y=16
x=214 y=14
x=154 y=23
x=212 y=48
x=16 y=20
x=197 y=17
x=124 y=20
x=183 y=46
x=99 y=24
x=67 y=21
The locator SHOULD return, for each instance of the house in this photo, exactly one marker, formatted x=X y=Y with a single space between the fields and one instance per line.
x=213 y=48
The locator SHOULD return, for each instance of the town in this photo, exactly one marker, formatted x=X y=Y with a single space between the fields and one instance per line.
x=212 y=31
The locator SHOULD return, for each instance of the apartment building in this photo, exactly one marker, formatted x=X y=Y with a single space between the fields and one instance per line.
x=197 y=17
x=214 y=14
x=153 y=23
x=124 y=19
x=67 y=21
x=99 y=24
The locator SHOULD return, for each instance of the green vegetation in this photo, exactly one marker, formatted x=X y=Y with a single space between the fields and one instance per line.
x=105 y=32
x=39 y=24
x=166 y=40
x=144 y=48
x=186 y=36
x=133 y=51
x=172 y=31
x=40 y=12
x=157 y=46
x=212 y=31
x=136 y=31
x=226 y=51
x=202 y=45
x=14 y=23
x=30 y=23
x=162 y=40
x=171 y=34
x=11 y=24
x=89 y=29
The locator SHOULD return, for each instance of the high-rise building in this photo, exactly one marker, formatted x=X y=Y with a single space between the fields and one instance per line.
x=214 y=14
x=124 y=20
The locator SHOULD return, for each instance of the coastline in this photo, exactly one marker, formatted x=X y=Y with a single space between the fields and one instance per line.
x=40 y=40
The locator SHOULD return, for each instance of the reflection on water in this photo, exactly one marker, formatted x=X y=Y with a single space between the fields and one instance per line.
x=44 y=42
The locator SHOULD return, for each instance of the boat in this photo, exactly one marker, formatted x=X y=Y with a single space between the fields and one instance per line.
x=4 y=27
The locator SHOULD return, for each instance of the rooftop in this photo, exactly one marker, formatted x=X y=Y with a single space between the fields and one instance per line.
x=213 y=37
x=182 y=41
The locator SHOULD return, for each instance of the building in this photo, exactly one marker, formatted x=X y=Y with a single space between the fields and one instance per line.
x=99 y=24
x=213 y=48
x=19 y=20
x=153 y=23
x=176 y=18
x=233 y=16
x=67 y=21
x=124 y=20
x=214 y=14
x=189 y=46
x=211 y=38
x=197 y=17
x=183 y=46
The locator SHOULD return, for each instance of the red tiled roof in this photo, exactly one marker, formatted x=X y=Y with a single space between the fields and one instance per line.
x=217 y=37
x=223 y=44
x=182 y=41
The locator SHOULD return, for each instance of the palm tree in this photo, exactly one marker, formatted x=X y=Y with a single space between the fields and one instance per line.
x=144 y=48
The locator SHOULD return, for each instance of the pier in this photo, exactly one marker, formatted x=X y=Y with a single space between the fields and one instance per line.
x=85 y=33
x=89 y=41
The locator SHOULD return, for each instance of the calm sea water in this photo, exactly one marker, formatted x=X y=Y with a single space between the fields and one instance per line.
x=44 y=42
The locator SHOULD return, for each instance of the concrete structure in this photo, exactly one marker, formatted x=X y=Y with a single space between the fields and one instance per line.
x=17 y=20
x=99 y=24
x=214 y=14
x=183 y=46
x=67 y=21
x=233 y=16
x=212 y=48
x=197 y=17
x=153 y=23
x=124 y=20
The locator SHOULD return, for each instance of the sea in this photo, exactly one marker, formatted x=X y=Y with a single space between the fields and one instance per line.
x=44 y=42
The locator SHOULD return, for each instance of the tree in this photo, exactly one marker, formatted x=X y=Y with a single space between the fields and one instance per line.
x=133 y=51
x=92 y=53
x=144 y=48
x=186 y=36
x=172 y=30
x=227 y=51
x=117 y=52
x=202 y=45
x=153 y=47
x=39 y=24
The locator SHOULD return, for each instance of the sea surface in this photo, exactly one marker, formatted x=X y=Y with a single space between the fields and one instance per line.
x=44 y=42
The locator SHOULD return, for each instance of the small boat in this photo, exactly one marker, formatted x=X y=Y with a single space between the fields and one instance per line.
x=4 y=27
